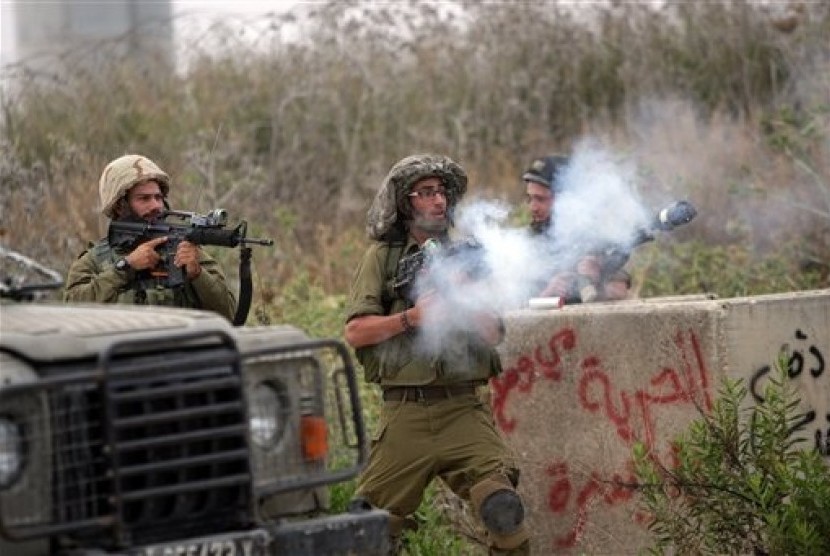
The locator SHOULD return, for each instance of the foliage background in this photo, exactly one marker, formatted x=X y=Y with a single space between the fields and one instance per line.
x=723 y=103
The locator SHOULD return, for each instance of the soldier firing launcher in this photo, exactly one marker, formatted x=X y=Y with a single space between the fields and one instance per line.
x=614 y=256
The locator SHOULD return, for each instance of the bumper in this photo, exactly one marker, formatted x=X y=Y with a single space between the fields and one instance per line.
x=360 y=533
x=363 y=533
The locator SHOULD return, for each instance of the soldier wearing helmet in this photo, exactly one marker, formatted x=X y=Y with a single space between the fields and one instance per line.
x=133 y=187
x=544 y=180
x=432 y=423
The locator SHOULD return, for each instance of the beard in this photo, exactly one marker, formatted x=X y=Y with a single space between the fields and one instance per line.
x=540 y=226
x=125 y=213
x=431 y=225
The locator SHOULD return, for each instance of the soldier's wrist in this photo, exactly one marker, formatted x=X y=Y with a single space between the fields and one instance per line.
x=124 y=269
x=408 y=327
x=197 y=273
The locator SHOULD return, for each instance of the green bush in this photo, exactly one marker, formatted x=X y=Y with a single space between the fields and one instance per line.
x=742 y=484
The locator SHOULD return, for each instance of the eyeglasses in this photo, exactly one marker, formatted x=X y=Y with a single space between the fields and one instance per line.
x=429 y=193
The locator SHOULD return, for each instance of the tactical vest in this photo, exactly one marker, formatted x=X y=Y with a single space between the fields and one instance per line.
x=105 y=257
x=403 y=361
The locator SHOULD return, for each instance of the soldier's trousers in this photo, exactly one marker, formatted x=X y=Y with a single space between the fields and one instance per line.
x=415 y=441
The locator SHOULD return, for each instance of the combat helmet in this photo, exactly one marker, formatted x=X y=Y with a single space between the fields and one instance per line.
x=546 y=171
x=391 y=204
x=125 y=172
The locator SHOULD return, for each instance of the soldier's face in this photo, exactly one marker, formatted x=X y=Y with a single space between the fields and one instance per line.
x=146 y=200
x=539 y=200
x=429 y=205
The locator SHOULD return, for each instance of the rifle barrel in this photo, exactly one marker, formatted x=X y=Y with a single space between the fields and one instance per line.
x=257 y=241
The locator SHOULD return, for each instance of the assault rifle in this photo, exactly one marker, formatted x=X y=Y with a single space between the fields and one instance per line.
x=463 y=258
x=613 y=256
x=201 y=229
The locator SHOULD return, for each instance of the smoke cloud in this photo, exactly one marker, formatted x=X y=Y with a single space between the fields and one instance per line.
x=599 y=205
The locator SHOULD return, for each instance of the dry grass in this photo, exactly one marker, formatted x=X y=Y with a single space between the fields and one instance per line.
x=726 y=104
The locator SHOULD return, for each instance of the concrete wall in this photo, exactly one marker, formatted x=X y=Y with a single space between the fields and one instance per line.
x=583 y=383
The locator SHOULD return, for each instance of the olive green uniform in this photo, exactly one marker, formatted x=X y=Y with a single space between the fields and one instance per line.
x=94 y=278
x=449 y=433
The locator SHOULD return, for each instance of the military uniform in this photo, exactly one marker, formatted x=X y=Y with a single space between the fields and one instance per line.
x=94 y=278
x=433 y=421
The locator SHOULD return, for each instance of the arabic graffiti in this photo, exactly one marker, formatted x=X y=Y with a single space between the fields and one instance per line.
x=631 y=413
x=523 y=375
x=596 y=490
x=805 y=366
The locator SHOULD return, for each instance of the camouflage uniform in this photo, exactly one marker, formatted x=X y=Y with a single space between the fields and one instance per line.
x=93 y=276
x=433 y=422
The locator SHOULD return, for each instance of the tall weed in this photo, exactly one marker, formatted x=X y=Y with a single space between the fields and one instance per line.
x=741 y=485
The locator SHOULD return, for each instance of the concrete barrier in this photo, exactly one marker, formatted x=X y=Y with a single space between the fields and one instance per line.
x=584 y=382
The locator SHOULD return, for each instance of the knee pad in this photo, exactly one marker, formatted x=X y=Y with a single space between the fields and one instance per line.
x=501 y=511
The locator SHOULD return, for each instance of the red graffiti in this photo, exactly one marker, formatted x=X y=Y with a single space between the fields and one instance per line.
x=524 y=374
x=619 y=414
x=611 y=492
x=631 y=412
x=668 y=386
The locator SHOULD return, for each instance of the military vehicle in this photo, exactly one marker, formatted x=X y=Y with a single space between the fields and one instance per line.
x=159 y=431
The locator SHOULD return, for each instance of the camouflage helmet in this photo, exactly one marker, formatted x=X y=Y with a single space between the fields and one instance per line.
x=391 y=205
x=125 y=172
x=546 y=171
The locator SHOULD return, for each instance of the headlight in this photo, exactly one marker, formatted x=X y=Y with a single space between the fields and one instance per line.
x=11 y=451
x=266 y=415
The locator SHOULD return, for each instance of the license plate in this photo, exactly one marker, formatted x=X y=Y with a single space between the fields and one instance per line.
x=250 y=543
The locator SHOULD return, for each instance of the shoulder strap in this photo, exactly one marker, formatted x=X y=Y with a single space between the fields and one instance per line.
x=394 y=252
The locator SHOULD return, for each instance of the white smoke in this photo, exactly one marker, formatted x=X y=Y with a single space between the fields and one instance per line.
x=598 y=205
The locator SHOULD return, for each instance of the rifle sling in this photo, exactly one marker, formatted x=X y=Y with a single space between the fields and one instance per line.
x=390 y=268
x=245 y=287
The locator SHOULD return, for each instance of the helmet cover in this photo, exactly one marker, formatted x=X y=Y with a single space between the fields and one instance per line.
x=124 y=173
x=391 y=204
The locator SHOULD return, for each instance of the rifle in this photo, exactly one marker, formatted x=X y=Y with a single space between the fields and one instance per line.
x=465 y=257
x=613 y=256
x=201 y=229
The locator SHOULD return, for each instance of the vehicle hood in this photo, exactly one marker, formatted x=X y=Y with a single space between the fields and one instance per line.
x=48 y=332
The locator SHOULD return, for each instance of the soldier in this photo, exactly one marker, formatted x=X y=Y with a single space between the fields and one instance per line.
x=133 y=187
x=586 y=282
x=433 y=422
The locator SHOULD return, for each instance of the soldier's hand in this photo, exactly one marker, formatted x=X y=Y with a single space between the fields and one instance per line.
x=590 y=268
x=145 y=256
x=560 y=285
x=428 y=306
x=187 y=256
x=616 y=289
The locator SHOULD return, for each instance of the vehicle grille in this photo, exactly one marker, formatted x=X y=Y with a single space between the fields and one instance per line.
x=149 y=447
